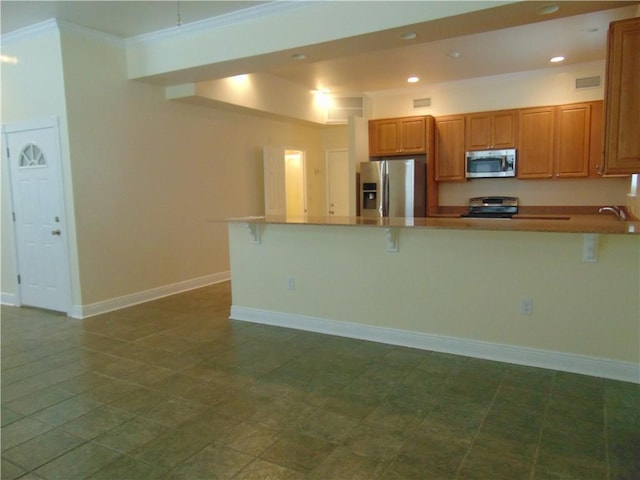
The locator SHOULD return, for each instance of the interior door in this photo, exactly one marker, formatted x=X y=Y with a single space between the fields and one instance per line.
x=295 y=183
x=338 y=182
x=275 y=200
x=38 y=210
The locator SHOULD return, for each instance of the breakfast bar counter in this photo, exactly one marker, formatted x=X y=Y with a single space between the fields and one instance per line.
x=547 y=290
x=527 y=222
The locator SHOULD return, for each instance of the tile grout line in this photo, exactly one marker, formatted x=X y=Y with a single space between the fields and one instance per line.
x=534 y=463
x=415 y=428
x=606 y=434
x=477 y=432
x=363 y=420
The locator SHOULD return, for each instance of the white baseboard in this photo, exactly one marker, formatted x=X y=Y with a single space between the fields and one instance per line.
x=567 y=362
x=10 y=299
x=89 y=310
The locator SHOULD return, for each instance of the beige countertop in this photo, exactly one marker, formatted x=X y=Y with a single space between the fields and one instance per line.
x=572 y=223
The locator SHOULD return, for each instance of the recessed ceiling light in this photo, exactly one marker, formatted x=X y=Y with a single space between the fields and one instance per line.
x=454 y=55
x=408 y=35
x=8 y=59
x=556 y=59
x=413 y=79
x=548 y=9
x=298 y=56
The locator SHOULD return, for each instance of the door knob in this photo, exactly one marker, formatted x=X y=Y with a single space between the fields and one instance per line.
x=56 y=232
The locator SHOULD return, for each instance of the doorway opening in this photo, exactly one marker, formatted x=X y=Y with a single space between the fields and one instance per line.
x=295 y=183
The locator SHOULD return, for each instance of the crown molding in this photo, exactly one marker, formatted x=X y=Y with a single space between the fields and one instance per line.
x=79 y=30
x=30 y=31
x=248 y=14
x=54 y=24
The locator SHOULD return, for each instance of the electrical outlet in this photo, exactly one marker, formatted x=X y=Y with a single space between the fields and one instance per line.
x=590 y=247
x=526 y=306
x=291 y=283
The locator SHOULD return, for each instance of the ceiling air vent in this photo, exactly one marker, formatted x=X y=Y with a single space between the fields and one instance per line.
x=421 y=102
x=588 y=82
x=342 y=108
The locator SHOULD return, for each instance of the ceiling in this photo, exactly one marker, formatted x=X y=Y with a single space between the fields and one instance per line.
x=507 y=39
x=123 y=19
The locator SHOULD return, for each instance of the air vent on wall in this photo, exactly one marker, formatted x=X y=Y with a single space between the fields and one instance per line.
x=421 y=102
x=342 y=108
x=588 y=82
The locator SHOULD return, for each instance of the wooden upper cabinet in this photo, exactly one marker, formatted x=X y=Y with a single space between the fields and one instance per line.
x=397 y=136
x=413 y=135
x=622 y=99
x=535 y=142
x=489 y=130
x=450 y=151
x=384 y=137
x=573 y=137
x=564 y=141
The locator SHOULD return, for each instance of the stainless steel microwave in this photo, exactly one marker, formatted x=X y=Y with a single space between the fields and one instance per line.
x=491 y=163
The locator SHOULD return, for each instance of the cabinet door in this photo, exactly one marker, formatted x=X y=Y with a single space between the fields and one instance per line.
x=504 y=129
x=535 y=143
x=491 y=130
x=622 y=97
x=478 y=131
x=450 y=148
x=573 y=126
x=413 y=133
x=384 y=137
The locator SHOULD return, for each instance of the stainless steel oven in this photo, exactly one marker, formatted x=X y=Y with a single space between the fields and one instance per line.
x=491 y=163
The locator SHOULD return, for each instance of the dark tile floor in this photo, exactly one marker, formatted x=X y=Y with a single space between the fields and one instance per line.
x=172 y=389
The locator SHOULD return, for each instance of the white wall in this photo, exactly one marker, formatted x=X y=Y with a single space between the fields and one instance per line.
x=157 y=177
x=549 y=86
x=452 y=283
x=152 y=180
x=257 y=91
x=33 y=89
x=558 y=192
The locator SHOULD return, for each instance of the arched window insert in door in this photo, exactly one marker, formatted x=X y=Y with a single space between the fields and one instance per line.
x=31 y=156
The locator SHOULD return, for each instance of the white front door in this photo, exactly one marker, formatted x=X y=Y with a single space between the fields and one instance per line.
x=338 y=182
x=38 y=210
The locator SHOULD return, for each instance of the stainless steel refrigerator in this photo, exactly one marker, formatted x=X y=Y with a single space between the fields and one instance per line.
x=393 y=188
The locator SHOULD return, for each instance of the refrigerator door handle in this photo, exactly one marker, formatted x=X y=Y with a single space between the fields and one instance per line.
x=385 y=194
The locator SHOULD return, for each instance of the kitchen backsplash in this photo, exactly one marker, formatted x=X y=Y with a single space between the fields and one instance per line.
x=598 y=191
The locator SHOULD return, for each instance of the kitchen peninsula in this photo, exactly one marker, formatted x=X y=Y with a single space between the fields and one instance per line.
x=452 y=285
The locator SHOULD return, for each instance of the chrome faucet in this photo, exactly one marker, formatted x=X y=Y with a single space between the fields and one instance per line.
x=619 y=212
